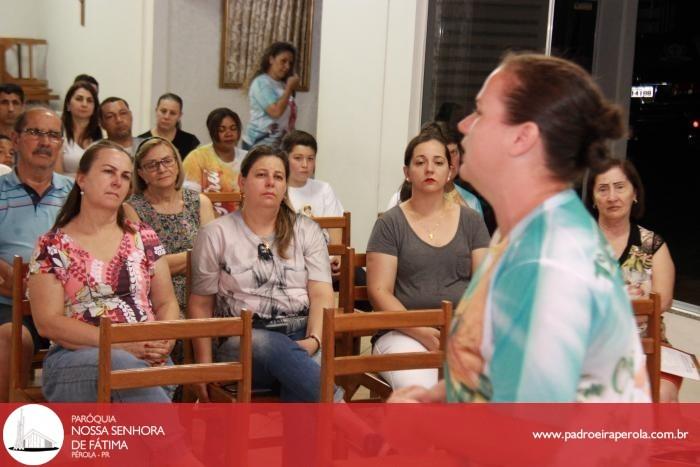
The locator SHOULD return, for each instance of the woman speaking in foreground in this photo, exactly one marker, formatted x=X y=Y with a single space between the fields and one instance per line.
x=546 y=317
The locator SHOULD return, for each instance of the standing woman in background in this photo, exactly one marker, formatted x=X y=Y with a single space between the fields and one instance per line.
x=273 y=110
x=168 y=116
x=81 y=121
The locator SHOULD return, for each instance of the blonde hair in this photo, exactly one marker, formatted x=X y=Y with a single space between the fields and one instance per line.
x=145 y=147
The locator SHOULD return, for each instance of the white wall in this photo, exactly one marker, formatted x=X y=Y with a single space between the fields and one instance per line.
x=19 y=19
x=113 y=46
x=187 y=41
x=369 y=101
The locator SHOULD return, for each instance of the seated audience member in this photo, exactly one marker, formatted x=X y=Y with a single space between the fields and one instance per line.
x=116 y=119
x=11 y=106
x=309 y=196
x=457 y=193
x=214 y=167
x=30 y=198
x=82 y=126
x=546 y=318
x=469 y=195
x=168 y=115
x=616 y=194
x=175 y=213
x=453 y=192
x=422 y=252
x=95 y=262
x=88 y=79
x=7 y=155
x=268 y=259
x=273 y=109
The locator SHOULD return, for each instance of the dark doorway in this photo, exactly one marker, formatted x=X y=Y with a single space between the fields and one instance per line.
x=664 y=116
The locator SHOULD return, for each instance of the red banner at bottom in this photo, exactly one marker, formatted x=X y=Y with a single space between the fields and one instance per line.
x=350 y=434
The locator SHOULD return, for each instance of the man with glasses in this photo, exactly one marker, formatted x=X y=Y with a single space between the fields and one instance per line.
x=30 y=198
x=11 y=105
x=116 y=119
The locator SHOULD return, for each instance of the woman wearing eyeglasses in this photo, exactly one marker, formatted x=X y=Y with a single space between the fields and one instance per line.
x=269 y=260
x=174 y=212
x=93 y=263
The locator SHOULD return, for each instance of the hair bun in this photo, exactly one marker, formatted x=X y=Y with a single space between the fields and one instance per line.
x=607 y=125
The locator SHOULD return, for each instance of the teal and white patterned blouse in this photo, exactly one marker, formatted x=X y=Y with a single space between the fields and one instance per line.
x=546 y=317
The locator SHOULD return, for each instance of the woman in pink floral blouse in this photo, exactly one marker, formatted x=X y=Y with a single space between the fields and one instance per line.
x=95 y=262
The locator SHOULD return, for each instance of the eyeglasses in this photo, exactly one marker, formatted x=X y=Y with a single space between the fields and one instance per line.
x=152 y=166
x=35 y=133
x=264 y=252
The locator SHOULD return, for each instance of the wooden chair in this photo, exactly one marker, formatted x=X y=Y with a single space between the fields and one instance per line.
x=340 y=222
x=341 y=250
x=241 y=371
x=335 y=322
x=217 y=392
x=356 y=293
x=377 y=386
x=651 y=341
x=230 y=201
x=20 y=391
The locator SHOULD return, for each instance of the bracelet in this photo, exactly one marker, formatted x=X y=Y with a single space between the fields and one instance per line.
x=315 y=337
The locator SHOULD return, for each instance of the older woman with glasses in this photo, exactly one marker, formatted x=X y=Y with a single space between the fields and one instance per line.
x=174 y=212
x=268 y=259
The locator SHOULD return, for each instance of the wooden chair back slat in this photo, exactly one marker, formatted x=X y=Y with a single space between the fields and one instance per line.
x=357 y=364
x=18 y=390
x=241 y=371
x=335 y=322
x=651 y=342
x=176 y=374
x=356 y=293
x=341 y=222
x=180 y=329
x=371 y=322
x=226 y=197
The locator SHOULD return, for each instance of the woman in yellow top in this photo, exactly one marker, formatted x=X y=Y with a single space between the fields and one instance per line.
x=214 y=167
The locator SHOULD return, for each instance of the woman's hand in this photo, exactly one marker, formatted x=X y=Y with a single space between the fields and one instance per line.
x=429 y=337
x=293 y=83
x=335 y=266
x=309 y=344
x=154 y=352
x=158 y=351
x=417 y=394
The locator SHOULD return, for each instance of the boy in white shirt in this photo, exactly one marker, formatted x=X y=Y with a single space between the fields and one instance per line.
x=309 y=196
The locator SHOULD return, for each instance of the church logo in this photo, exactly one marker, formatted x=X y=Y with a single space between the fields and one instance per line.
x=33 y=434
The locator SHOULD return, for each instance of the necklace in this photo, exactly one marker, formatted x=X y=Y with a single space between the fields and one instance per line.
x=431 y=229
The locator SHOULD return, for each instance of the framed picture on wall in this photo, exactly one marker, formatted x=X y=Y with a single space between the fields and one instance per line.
x=250 y=26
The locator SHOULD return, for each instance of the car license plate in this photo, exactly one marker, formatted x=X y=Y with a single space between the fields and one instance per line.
x=642 y=91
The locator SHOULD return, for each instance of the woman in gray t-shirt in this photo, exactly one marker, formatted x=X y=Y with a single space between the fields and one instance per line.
x=269 y=260
x=421 y=252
